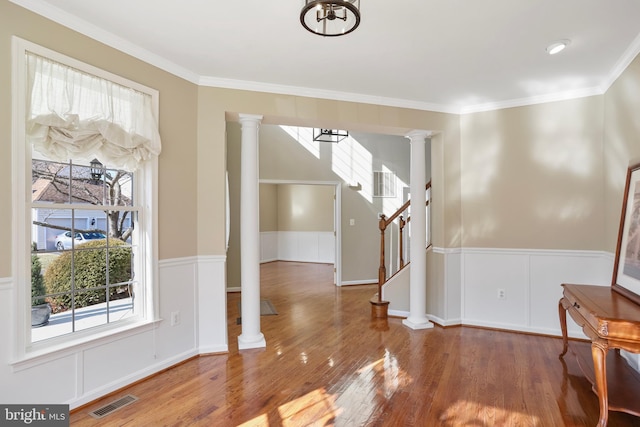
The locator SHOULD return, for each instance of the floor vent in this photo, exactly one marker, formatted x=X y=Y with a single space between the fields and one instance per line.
x=113 y=406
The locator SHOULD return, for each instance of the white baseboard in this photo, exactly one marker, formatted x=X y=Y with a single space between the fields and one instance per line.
x=444 y=323
x=359 y=282
x=398 y=313
x=212 y=350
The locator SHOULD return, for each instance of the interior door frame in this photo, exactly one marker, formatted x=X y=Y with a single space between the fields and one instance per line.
x=337 y=216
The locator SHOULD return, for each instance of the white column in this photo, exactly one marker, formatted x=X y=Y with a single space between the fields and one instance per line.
x=418 y=241
x=251 y=337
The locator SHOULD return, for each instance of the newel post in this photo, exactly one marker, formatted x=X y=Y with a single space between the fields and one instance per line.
x=379 y=308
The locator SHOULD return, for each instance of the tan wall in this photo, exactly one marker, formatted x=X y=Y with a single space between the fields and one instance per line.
x=532 y=176
x=305 y=207
x=268 y=207
x=621 y=144
x=283 y=158
x=178 y=115
x=216 y=104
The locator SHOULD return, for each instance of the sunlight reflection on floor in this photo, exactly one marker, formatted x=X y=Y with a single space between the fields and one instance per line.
x=317 y=408
x=465 y=413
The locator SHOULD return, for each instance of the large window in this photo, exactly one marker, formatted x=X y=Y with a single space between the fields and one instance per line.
x=85 y=160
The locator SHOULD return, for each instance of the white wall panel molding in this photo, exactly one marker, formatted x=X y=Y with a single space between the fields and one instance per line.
x=177 y=261
x=519 y=289
x=300 y=246
x=268 y=246
x=149 y=370
x=210 y=301
x=445 y=251
x=96 y=366
x=6 y=283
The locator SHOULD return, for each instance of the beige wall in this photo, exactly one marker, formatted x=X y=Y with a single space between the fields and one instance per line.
x=216 y=104
x=296 y=207
x=268 y=207
x=532 y=176
x=178 y=125
x=284 y=160
x=621 y=144
x=305 y=207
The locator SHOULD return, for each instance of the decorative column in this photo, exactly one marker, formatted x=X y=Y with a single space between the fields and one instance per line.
x=251 y=337
x=418 y=242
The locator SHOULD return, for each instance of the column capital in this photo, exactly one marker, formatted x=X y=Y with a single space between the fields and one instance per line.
x=250 y=118
x=418 y=134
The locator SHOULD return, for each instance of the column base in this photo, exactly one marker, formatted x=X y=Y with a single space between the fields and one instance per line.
x=420 y=323
x=256 y=341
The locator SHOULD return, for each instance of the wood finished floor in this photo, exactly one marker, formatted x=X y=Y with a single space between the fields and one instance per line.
x=328 y=364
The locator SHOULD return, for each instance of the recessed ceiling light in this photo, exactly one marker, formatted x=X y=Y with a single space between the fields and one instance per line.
x=557 y=46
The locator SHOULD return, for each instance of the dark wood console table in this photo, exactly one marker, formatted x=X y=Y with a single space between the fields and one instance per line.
x=611 y=321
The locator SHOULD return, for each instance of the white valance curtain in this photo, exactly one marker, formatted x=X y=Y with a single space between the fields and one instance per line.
x=75 y=115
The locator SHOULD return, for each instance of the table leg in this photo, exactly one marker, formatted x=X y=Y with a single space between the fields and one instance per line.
x=562 y=312
x=599 y=354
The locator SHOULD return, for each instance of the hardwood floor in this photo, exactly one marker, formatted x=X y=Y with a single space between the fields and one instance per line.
x=327 y=363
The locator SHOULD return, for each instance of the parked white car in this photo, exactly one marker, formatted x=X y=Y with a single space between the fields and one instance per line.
x=63 y=241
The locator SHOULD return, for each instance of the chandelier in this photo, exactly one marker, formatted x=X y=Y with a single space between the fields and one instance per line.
x=330 y=18
x=329 y=135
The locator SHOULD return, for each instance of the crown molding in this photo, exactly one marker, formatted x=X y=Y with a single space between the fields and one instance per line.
x=70 y=21
x=324 y=94
x=627 y=57
x=83 y=27
x=533 y=100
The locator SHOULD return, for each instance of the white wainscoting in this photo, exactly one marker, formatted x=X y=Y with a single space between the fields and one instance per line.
x=268 y=246
x=194 y=287
x=301 y=246
x=531 y=281
x=211 y=305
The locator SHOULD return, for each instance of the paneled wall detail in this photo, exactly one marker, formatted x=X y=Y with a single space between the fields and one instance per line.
x=80 y=374
x=301 y=246
x=520 y=289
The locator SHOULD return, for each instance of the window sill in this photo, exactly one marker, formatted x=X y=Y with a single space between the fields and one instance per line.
x=44 y=352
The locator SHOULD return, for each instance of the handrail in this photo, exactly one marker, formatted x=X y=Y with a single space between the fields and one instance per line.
x=383 y=223
x=403 y=207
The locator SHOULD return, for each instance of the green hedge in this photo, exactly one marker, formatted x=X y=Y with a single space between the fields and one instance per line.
x=38 y=289
x=90 y=272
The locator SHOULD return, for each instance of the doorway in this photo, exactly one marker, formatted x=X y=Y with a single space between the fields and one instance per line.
x=300 y=221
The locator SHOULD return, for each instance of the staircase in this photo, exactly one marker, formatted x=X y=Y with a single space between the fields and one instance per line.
x=388 y=270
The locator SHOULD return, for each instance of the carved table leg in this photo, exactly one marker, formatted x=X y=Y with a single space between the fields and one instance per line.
x=599 y=354
x=562 y=311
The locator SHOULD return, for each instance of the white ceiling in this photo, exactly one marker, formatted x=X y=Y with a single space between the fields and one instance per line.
x=442 y=55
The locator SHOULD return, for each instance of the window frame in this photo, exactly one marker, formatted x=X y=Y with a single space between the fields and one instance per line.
x=146 y=178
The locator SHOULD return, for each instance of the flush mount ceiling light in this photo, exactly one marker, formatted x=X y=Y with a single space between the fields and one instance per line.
x=558 y=46
x=329 y=135
x=330 y=18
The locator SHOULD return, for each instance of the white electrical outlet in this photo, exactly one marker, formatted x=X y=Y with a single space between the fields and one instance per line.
x=501 y=294
x=175 y=318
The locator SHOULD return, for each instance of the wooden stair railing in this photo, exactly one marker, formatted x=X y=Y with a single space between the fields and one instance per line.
x=379 y=308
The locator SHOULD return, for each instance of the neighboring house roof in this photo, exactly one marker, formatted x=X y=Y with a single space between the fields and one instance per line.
x=82 y=191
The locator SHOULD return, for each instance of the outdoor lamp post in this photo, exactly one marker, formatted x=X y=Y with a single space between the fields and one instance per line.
x=96 y=170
